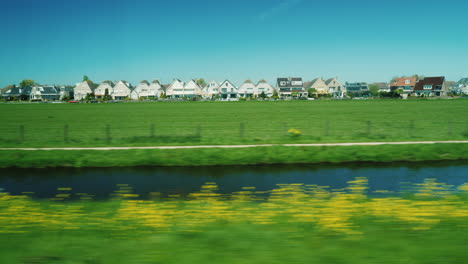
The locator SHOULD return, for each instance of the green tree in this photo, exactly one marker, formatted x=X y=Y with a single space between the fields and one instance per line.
x=85 y=78
x=374 y=89
x=106 y=95
x=263 y=95
x=275 y=95
x=89 y=97
x=201 y=82
x=26 y=83
x=312 y=92
x=162 y=96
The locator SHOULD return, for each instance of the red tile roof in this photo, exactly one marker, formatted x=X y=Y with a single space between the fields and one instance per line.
x=402 y=81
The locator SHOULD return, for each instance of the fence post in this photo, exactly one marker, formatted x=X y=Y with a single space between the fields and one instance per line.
x=327 y=128
x=241 y=130
x=198 y=131
x=369 y=127
x=411 y=128
x=152 y=130
x=285 y=128
x=21 y=133
x=108 y=133
x=65 y=133
x=450 y=128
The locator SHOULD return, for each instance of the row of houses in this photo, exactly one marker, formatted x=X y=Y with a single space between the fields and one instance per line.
x=38 y=93
x=428 y=86
x=226 y=90
x=285 y=87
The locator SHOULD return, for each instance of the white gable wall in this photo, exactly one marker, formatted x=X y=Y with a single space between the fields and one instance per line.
x=176 y=89
x=121 y=90
x=155 y=89
x=192 y=89
x=247 y=88
x=264 y=87
x=101 y=89
x=81 y=90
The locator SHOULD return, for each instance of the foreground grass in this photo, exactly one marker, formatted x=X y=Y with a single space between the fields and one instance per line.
x=203 y=123
x=294 y=224
x=237 y=156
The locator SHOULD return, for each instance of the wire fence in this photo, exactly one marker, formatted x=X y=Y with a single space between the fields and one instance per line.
x=233 y=132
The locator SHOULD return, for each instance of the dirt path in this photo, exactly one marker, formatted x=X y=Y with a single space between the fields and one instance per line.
x=254 y=146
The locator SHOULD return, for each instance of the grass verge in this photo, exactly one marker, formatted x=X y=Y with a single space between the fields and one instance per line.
x=237 y=156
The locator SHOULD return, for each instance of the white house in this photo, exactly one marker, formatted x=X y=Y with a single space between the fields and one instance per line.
x=335 y=88
x=210 y=90
x=175 y=89
x=247 y=89
x=47 y=93
x=82 y=89
x=121 y=90
x=264 y=86
x=228 y=91
x=319 y=85
x=462 y=86
x=192 y=89
x=155 y=89
x=101 y=89
x=141 y=90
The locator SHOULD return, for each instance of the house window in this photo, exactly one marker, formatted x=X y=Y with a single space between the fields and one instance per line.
x=226 y=84
x=407 y=81
x=427 y=87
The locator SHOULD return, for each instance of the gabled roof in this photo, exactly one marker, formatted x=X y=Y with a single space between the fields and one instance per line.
x=15 y=91
x=48 y=90
x=156 y=81
x=91 y=85
x=289 y=82
x=402 y=81
x=263 y=82
x=462 y=81
x=327 y=82
x=6 y=88
x=145 y=81
x=228 y=82
x=248 y=81
x=192 y=82
x=311 y=83
x=382 y=85
x=434 y=81
x=314 y=81
x=109 y=83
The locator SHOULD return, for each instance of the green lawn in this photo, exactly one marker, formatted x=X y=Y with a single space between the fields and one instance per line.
x=187 y=123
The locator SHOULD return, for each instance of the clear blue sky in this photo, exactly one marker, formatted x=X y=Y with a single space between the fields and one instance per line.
x=58 y=41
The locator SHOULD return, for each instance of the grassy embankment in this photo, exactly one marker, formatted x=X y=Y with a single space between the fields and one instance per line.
x=295 y=224
x=207 y=123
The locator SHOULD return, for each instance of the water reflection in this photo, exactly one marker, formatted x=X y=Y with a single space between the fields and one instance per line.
x=101 y=182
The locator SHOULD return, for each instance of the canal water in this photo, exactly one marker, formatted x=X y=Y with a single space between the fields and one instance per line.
x=101 y=183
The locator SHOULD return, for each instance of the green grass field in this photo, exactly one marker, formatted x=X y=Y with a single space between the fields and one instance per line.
x=200 y=123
